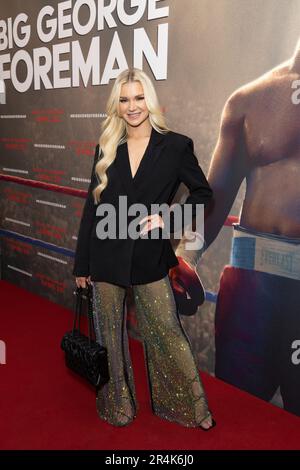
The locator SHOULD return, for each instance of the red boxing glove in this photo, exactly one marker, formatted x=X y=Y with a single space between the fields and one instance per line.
x=187 y=287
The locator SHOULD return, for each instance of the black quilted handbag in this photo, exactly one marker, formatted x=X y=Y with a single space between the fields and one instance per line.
x=83 y=355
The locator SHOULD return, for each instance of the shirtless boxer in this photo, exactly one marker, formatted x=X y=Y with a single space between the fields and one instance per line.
x=258 y=306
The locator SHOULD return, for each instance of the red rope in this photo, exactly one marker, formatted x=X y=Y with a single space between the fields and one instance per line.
x=74 y=192
x=48 y=186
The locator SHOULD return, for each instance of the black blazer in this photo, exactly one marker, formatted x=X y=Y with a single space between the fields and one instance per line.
x=168 y=161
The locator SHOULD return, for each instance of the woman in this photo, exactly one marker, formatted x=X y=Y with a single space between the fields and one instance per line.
x=144 y=162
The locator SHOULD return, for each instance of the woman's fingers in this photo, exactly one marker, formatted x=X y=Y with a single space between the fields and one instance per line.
x=152 y=221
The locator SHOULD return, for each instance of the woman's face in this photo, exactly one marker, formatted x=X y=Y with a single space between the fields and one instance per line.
x=132 y=105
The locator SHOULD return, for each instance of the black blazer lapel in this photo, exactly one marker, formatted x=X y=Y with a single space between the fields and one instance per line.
x=123 y=172
x=134 y=187
x=146 y=168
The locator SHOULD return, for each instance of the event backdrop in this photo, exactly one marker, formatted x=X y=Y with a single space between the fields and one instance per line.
x=58 y=62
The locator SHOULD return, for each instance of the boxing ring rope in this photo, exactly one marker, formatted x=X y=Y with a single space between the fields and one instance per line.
x=47 y=186
x=209 y=296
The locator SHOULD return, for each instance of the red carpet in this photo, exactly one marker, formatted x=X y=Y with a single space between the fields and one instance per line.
x=44 y=407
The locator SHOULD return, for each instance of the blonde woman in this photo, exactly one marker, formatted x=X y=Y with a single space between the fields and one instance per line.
x=139 y=161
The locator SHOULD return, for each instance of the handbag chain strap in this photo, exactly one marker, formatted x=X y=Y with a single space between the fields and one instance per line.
x=84 y=293
x=91 y=327
x=78 y=308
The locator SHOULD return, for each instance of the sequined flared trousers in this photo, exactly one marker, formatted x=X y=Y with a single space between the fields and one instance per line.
x=175 y=387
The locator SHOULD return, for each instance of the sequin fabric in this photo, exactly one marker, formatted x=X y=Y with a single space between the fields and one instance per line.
x=116 y=400
x=175 y=387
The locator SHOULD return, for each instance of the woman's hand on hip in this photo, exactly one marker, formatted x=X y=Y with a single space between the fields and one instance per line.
x=152 y=221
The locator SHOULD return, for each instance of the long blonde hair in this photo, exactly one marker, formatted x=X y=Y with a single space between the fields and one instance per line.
x=114 y=128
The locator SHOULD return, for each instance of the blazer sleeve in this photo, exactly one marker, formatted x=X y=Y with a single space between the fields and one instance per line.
x=191 y=174
x=82 y=252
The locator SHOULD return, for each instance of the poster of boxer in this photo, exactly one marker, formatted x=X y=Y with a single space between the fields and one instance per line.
x=227 y=73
